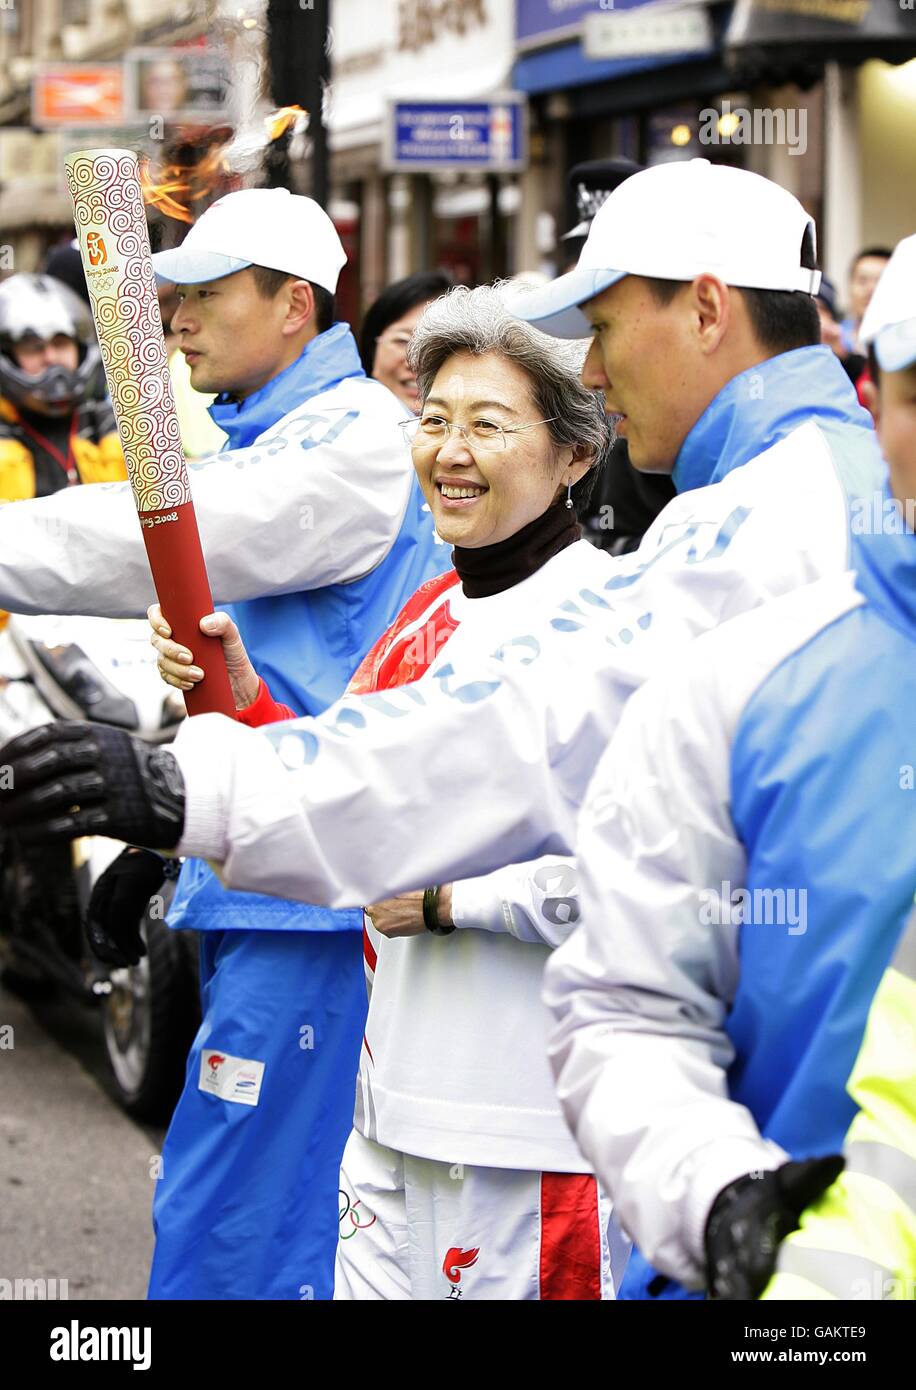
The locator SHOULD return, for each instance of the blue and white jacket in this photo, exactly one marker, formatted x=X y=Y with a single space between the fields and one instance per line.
x=315 y=490
x=747 y=858
x=306 y=645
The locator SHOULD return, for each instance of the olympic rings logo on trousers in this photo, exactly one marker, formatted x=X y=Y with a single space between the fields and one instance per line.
x=349 y=1209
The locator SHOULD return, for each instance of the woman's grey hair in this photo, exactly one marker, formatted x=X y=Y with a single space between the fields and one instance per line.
x=477 y=321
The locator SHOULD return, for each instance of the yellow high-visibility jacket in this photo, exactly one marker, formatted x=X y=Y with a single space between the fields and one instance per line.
x=859 y=1240
x=96 y=454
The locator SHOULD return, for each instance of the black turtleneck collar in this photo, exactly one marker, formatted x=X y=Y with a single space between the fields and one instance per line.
x=489 y=569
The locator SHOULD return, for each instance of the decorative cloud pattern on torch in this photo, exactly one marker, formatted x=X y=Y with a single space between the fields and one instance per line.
x=110 y=220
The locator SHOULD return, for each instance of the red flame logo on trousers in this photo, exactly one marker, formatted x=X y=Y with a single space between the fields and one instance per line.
x=456 y=1260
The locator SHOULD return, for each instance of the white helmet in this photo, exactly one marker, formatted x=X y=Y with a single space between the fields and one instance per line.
x=38 y=306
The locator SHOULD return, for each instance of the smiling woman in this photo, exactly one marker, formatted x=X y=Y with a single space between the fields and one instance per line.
x=506 y=429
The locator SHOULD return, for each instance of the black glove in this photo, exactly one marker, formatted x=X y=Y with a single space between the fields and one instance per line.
x=68 y=779
x=752 y=1215
x=118 y=904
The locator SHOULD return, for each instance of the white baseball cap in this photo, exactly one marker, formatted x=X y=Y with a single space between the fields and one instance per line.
x=257 y=226
x=890 y=319
x=673 y=222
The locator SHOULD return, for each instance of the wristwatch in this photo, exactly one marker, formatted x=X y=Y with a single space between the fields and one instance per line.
x=431 y=912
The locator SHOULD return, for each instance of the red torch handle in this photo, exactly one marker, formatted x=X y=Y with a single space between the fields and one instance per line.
x=183 y=589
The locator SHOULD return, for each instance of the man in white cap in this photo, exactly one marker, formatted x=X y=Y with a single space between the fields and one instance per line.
x=748 y=860
x=697 y=282
x=314 y=527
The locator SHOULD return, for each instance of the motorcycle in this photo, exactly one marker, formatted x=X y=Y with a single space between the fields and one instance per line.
x=104 y=670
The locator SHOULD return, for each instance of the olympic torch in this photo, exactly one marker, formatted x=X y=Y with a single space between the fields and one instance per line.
x=114 y=242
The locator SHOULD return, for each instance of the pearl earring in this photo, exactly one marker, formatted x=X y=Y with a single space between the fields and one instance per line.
x=569 y=501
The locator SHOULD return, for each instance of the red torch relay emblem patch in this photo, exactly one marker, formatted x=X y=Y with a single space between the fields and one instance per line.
x=456 y=1260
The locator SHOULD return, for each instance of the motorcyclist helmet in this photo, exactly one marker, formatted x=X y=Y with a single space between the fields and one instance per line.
x=34 y=310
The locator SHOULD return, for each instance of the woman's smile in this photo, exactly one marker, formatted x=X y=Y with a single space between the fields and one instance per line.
x=458 y=494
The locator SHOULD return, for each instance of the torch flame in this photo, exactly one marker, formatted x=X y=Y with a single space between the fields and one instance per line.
x=178 y=186
x=281 y=120
x=161 y=195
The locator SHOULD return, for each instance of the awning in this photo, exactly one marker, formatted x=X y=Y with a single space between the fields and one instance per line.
x=624 y=83
x=553 y=69
x=846 y=31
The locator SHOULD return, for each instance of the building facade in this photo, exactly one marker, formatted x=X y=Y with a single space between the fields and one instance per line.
x=818 y=94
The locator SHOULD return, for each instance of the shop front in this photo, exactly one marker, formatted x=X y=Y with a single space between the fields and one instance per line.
x=864 y=55
x=752 y=83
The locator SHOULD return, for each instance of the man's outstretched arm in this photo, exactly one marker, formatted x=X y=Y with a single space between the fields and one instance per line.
x=445 y=779
x=386 y=793
x=478 y=765
x=318 y=501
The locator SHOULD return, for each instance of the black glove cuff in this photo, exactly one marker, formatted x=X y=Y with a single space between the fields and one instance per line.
x=145 y=789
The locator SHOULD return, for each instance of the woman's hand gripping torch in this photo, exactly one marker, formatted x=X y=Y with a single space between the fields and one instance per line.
x=111 y=227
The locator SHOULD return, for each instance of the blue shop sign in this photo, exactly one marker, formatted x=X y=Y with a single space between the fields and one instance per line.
x=425 y=135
